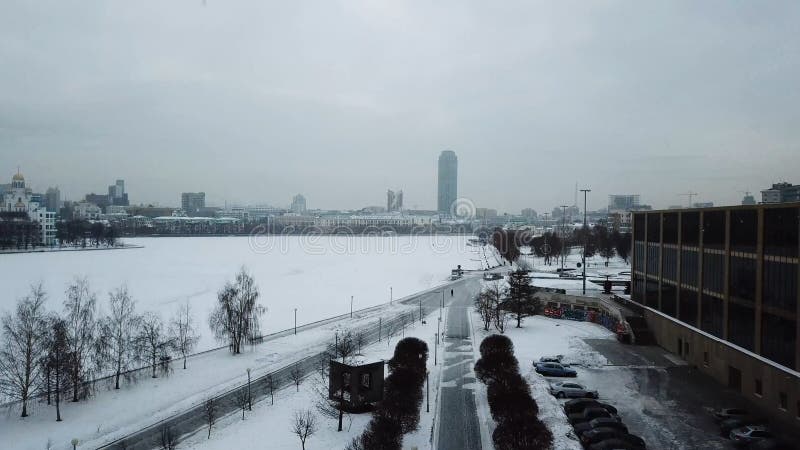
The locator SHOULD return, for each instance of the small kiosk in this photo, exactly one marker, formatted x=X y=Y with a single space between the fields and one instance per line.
x=360 y=386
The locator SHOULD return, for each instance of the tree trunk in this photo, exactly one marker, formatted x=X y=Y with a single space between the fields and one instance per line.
x=75 y=383
x=184 y=361
x=119 y=368
x=154 y=363
x=341 y=413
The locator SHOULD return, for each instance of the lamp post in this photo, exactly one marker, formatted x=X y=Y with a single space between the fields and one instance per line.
x=351 y=306
x=427 y=393
x=563 y=234
x=585 y=238
x=420 y=309
x=295 y=321
x=391 y=295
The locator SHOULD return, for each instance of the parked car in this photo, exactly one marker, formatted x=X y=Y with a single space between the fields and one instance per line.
x=607 y=422
x=615 y=444
x=552 y=369
x=555 y=359
x=563 y=389
x=633 y=439
x=579 y=404
x=728 y=425
x=749 y=434
x=589 y=414
x=731 y=413
x=599 y=434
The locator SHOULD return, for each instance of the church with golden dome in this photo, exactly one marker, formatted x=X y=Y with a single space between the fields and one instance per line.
x=19 y=198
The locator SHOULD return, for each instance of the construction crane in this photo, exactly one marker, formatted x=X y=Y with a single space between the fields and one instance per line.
x=691 y=195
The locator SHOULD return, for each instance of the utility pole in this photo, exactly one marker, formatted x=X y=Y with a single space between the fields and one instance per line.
x=585 y=237
x=427 y=393
x=351 y=306
x=690 y=195
x=295 y=321
x=420 y=309
x=391 y=295
x=563 y=234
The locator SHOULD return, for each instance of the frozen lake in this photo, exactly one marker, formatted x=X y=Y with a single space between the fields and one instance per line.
x=317 y=275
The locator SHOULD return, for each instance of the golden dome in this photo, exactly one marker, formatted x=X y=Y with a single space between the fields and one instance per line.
x=18 y=177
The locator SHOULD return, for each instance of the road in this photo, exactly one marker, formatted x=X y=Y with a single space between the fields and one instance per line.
x=193 y=419
x=458 y=427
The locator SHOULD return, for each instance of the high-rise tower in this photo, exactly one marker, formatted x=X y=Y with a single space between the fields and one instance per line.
x=448 y=181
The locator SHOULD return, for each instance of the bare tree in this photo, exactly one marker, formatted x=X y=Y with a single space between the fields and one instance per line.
x=236 y=315
x=118 y=330
x=296 y=375
x=484 y=307
x=168 y=439
x=304 y=425
x=242 y=400
x=57 y=359
x=360 y=341
x=152 y=341
x=501 y=319
x=183 y=332
x=210 y=414
x=344 y=347
x=80 y=306
x=23 y=346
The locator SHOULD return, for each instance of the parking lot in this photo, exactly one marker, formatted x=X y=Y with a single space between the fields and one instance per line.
x=665 y=402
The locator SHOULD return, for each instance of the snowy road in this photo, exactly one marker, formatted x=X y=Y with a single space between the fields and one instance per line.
x=458 y=420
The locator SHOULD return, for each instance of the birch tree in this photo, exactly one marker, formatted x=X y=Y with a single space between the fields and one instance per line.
x=152 y=341
x=236 y=316
x=183 y=332
x=118 y=332
x=80 y=306
x=24 y=339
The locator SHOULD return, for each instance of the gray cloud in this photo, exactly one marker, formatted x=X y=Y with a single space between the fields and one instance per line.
x=255 y=101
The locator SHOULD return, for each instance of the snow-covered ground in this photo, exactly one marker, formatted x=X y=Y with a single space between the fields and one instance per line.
x=315 y=274
x=267 y=426
x=542 y=336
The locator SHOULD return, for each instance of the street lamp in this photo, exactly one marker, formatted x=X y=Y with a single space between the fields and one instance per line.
x=351 y=306
x=295 y=321
x=585 y=237
x=563 y=234
x=391 y=295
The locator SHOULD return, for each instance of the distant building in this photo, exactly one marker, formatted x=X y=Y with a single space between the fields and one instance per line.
x=117 y=195
x=52 y=199
x=448 y=181
x=703 y=205
x=486 y=214
x=748 y=199
x=99 y=200
x=192 y=203
x=529 y=213
x=86 y=211
x=781 y=193
x=394 y=200
x=298 y=204
x=19 y=199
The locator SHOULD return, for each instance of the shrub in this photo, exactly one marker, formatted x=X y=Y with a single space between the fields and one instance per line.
x=521 y=434
x=410 y=353
x=496 y=367
x=496 y=343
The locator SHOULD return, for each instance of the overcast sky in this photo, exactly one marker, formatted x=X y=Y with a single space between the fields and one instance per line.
x=255 y=101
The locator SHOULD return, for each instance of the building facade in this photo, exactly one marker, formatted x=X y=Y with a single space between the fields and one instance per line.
x=394 y=200
x=448 y=181
x=719 y=287
x=298 y=204
x=193 y=202
x=18 y=198
x=117 y=195
x=781 y=193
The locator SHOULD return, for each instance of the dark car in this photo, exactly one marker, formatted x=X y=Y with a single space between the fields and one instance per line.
x=615 y=444
x=731 y=413
x=579 y=404
x=607 y=422
x=589 y=414
x=633 y=439
x=551 y=369
x=728 y=425
x=600 y=434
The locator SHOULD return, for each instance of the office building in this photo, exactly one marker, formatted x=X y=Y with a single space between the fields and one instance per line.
x=719 y=287
x=781 y=193
x=394 y=200
x=298 y=204
x=192 y=203
x=52 y=199
x=117 y=195
x=448 y=181
x=748 y=199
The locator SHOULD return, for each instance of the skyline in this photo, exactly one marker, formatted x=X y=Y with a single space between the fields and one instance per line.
x=255 y=102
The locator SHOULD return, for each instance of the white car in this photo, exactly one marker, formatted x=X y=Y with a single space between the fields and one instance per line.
x=749 y=434
x=564 y=389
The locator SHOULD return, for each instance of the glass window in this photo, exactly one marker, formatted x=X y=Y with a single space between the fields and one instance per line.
x=669 y=299
x=688 y=307
x=713 y=272
x=690 y=228
x=705 y=358
x=670 y=223
x=778 y=339
x=784 y=401
x=714 y=229
x=781 y=231
x=744 y=230
x=780 y=285
x=743 y=278
x=639 y=249
x=711 y=315
x=638 y=227
x=669 y=265
x=758 y=388
x=651 y=294
x=741 y=325
x=689 y=266
x=638 y=288
x=654 y=227
x=653 y=253
x=366 y=380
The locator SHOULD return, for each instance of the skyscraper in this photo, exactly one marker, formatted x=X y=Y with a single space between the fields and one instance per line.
x=394 y=200
x=298 y=204
x=193 y=202
x=448 y=181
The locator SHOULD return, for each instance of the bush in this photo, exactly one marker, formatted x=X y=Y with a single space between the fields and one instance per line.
x=410 y=353
x=402 y=399
x=496 y=343
x=511 y=402
x=496 y=367
x=521 y=434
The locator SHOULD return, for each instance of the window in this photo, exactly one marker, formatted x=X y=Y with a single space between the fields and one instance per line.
x=714 y=272
x=688 y=307
x=778 y=339
x=654 y=227
x=784 y=401
x=759 y=388
x=780 y=285
x=670 y=228
x=346 y=380
x=741 y=325
x=742 y=281
x=638 y=227
x=714 y=229
x=705 y=359
x=781 y=231
x=690 y=228
x=711 y=312
x=744 y=230
x=689 y=266
x=366 y=380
